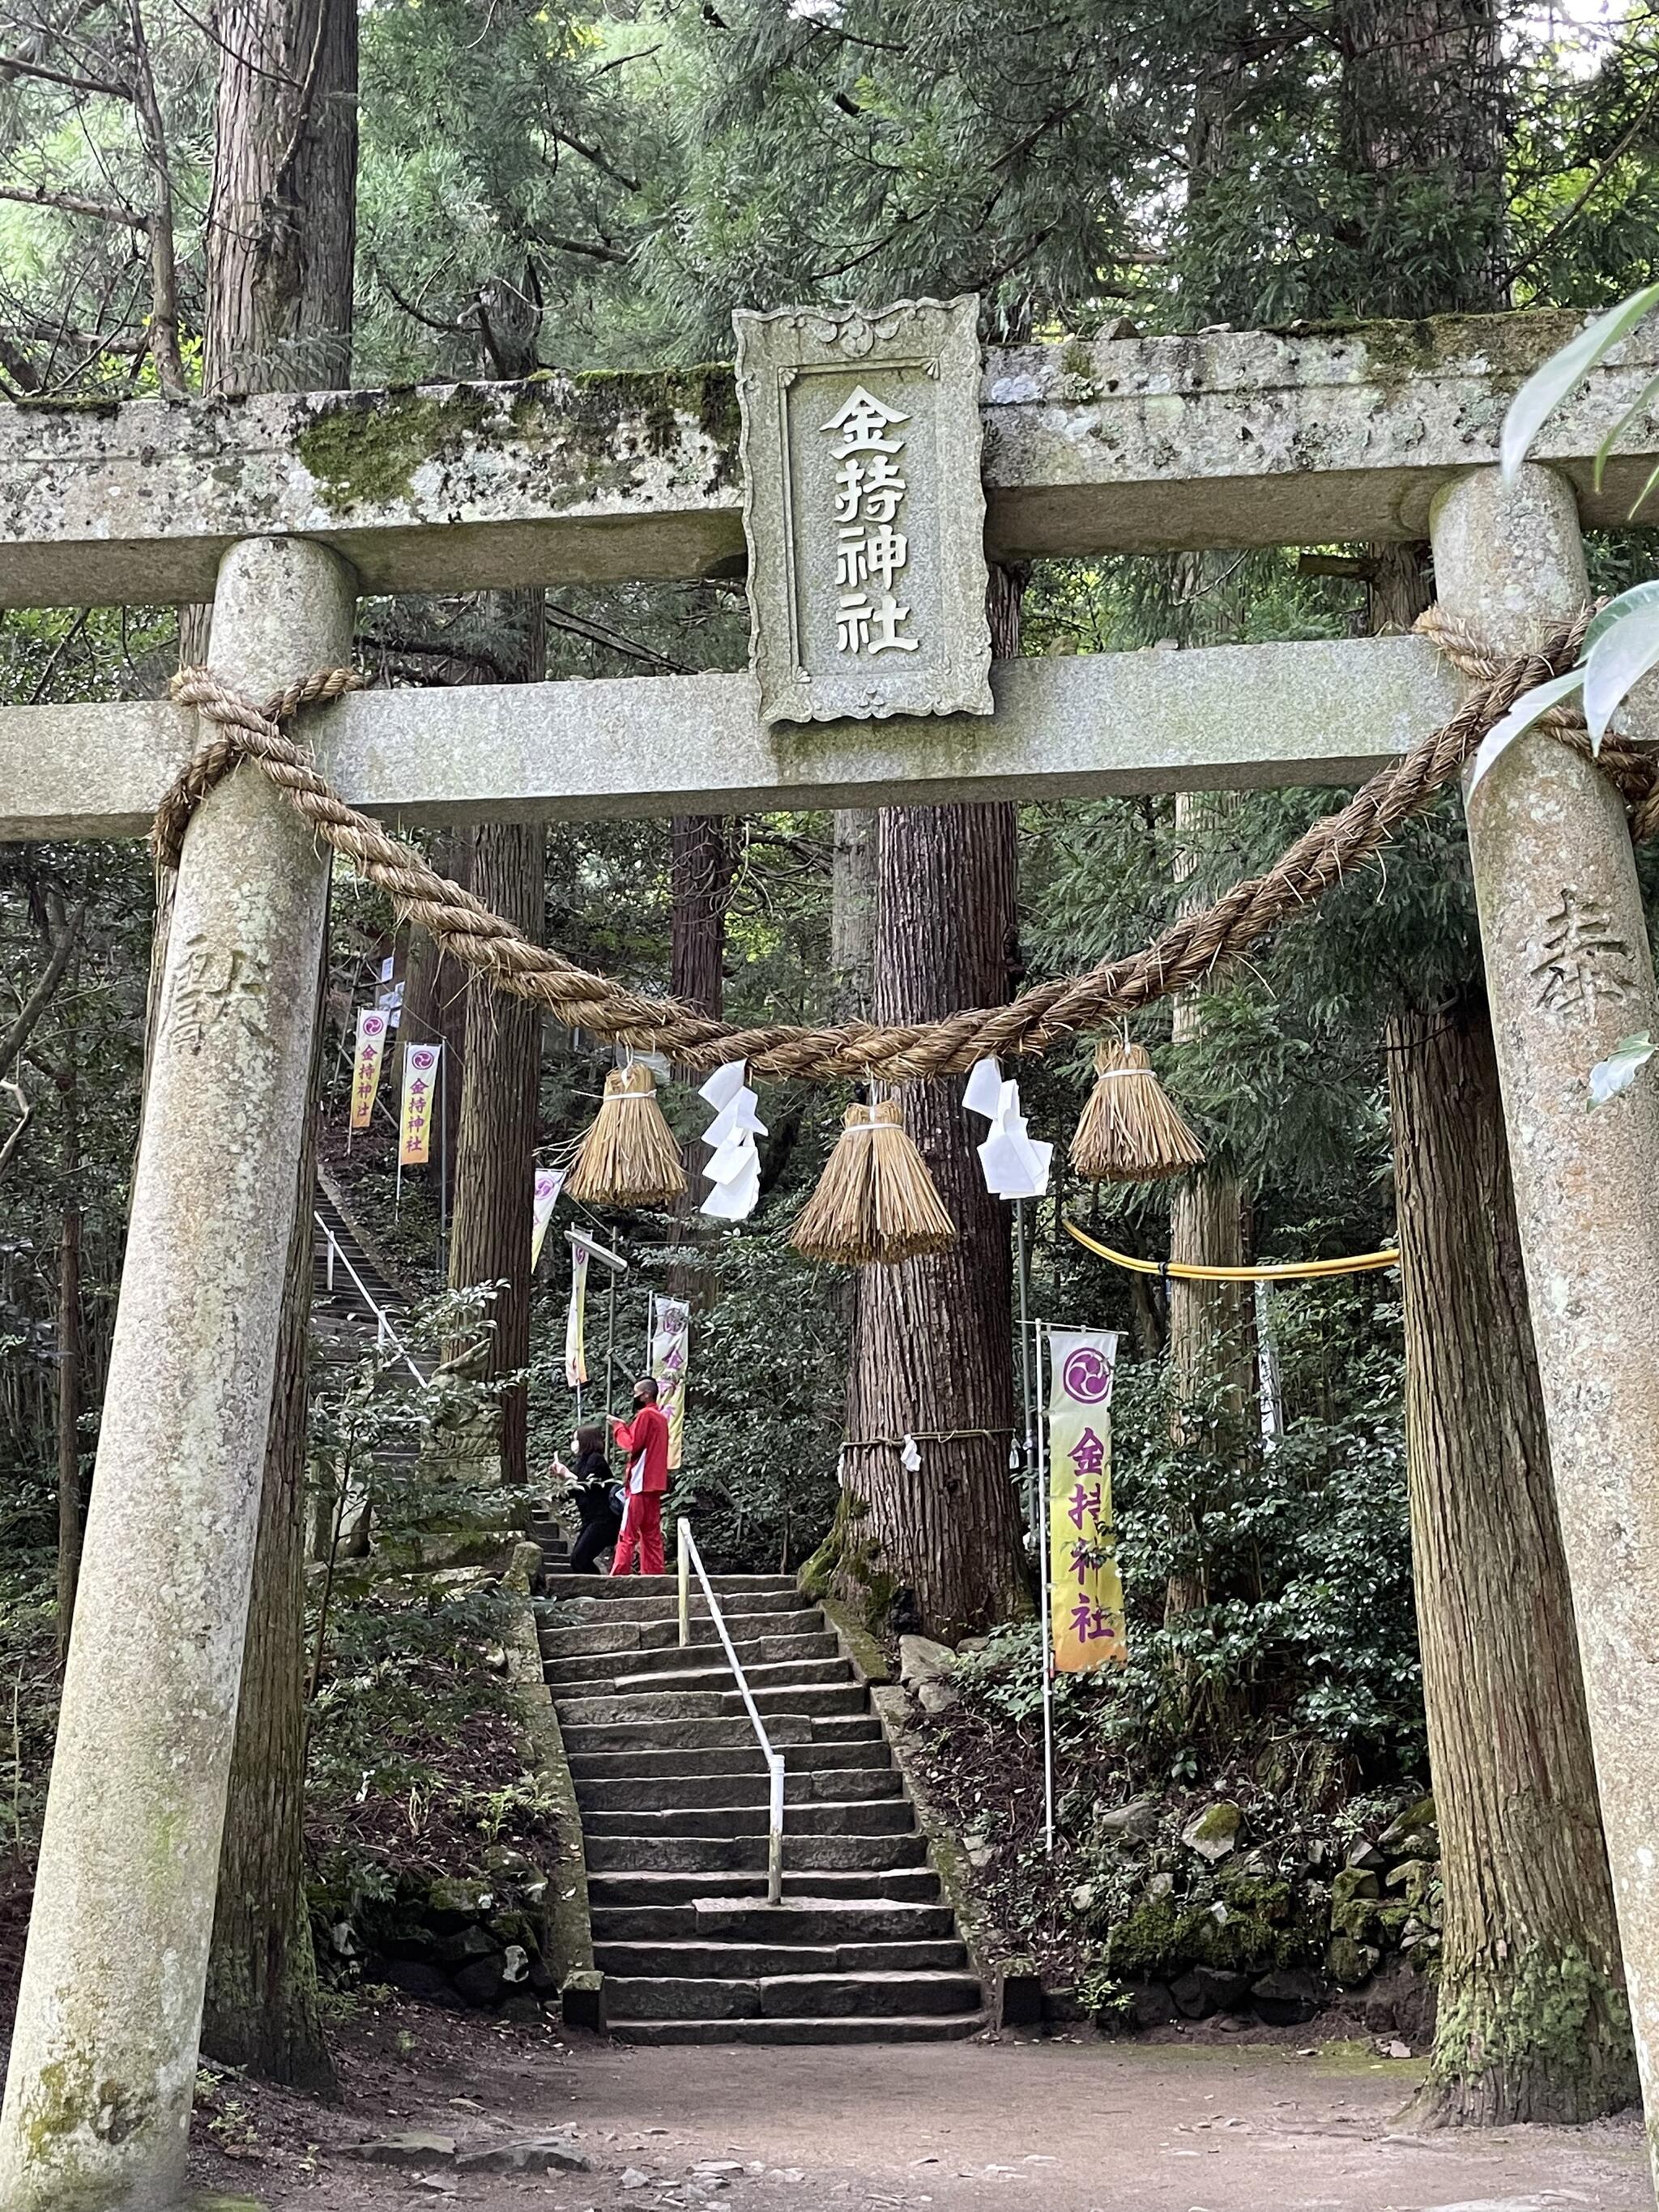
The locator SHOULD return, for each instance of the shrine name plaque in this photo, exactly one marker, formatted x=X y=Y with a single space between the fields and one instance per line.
x=863 y=510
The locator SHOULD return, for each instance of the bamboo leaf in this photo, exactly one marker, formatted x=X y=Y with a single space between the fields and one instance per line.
x=1520 y=718
x=1605 y=449
x=1619 y=1069
x=1628 y=602
x=1546 y=387
x=1623 y=655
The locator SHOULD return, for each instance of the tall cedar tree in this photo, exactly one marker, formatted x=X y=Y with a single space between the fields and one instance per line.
x=932 y=1339
x=1534 y=2022
x=282 y=237
x=500 y=1082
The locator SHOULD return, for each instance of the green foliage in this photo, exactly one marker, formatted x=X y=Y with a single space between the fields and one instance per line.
x=412 y=1764
x=1304 y=1549
x=765 y=1410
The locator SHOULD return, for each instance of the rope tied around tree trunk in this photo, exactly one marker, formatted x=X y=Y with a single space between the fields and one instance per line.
x=1186 y=952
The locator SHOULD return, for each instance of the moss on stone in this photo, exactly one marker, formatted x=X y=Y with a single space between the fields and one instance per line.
x=1398 y=349
x=364 y=448
x=866 y=1651
x=662 y=400
x=1258 y=1934
x=1349 y=1962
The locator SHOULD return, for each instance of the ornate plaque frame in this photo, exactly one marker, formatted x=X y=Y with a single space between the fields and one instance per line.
x=914 y=369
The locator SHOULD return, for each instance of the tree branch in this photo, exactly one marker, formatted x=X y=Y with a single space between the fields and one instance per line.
x=41 y=997
x=599 y=634
x=1598 y=177
x=13 y=65
x=73 y=203
x=25 y=1114
x=163 y=266
x=595 y=155
x=580 y=245
x=416 y=314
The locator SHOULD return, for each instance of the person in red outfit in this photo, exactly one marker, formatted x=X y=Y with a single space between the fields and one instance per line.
x=644 y=1443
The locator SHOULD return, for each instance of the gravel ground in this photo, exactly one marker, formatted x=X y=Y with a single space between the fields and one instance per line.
x=1063 y=2125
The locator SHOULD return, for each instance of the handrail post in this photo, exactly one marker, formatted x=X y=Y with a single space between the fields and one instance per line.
x=775 y=1829
x=682 y=1529
x=691 y=1558
x=329 y=1233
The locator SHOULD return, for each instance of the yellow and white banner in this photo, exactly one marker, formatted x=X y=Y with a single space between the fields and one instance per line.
x=576 y=1326
x=366 y=1064
x=671 y=1346
x=420 y=1096
x=549 y=1182
x=1085 y=1594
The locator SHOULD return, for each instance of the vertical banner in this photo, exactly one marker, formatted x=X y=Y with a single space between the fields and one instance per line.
x=367 y=1064
x=549 y=1182
x=576 y=1326
x=1086 y=1593
x=420 y=1087
x=671 y=1342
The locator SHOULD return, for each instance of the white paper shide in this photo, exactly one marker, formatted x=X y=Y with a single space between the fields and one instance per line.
x=734 y=1170
x=1015 y=1164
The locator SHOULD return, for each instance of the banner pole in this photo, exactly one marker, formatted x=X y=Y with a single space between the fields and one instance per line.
x=443 y=1173
x=611 y=1349
x=1023 y=1263
x=1046 y=1647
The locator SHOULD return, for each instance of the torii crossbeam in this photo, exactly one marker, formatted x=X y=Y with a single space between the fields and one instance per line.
x=284 y=510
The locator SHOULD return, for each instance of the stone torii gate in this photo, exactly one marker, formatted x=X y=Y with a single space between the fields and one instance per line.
x=283 y=510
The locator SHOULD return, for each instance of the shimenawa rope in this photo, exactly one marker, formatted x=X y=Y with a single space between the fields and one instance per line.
x=896 y=1053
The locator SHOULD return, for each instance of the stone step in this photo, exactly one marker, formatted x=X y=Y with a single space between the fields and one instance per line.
x=791 y=1996
x=598 y=1638
x=668 y=1587
x=810 y=1701
x=697 y=1675
x=748 y=1962
x=880 y=1816
x=925 y=2027
x=663 y=1792
x=634 y=1853
x=564 y=1669
x=595 y=1598
x=609 y=1762
x=832 y=1922
x=628 y=1739
x=638 y=1889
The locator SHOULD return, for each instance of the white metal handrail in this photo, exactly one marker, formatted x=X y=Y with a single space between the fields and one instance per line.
x=385 y=1334
x=690 y=1556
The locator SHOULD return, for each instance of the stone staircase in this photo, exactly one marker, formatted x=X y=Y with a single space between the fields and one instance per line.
x=673 y=1789
x=343 y=1316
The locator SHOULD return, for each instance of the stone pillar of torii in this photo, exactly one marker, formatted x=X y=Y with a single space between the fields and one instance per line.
x=871 y=447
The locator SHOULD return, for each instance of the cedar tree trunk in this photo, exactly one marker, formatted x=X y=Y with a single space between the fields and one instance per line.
x=282 y=233
x=1533 y=2023
x=933 y=1352
x=1211 y=1326
x=500 y=1090
x=71 y=1503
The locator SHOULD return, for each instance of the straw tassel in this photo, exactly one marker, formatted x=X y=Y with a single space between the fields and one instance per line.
x=875 y=1204
x=1130 y=1131
x=629 y=1156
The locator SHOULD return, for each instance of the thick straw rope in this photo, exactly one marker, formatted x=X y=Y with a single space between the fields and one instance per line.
x=1187 y=952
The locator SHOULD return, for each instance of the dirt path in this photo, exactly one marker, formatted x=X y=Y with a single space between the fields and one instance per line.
x=1059 y=2126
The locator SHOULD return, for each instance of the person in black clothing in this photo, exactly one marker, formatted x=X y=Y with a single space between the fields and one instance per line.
x=596 y=1497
